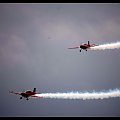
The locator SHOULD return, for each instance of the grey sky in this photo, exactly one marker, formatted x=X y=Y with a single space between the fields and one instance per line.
x=33 y=53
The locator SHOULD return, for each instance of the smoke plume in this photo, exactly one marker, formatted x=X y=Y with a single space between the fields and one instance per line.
x=107 y=46
x=82 y=95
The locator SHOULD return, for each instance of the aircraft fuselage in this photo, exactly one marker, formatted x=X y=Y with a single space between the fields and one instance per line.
x=28 y=94
x=84 y=46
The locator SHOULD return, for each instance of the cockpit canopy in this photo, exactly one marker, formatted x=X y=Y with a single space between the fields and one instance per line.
x=28 y=91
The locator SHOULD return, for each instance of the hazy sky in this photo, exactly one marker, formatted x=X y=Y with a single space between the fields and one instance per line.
x=33 y=53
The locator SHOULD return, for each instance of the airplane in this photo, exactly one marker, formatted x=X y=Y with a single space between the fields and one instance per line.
x=26 y=94
x=84 y=46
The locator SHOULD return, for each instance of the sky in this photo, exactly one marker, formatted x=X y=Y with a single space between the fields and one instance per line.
x=33 y=53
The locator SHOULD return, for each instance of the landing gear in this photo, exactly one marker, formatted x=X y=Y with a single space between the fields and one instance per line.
x=80 y=50
x=86 y=49
x=27 y=99
x=20 y=97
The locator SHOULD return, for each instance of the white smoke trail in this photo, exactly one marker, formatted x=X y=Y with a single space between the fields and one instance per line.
x=82 y=95
x=107 y=46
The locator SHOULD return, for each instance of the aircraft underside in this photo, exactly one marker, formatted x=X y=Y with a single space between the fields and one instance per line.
x=83 y=49
x=24 y=97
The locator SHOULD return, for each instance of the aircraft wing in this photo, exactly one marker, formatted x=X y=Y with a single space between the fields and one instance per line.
x=17 y=93
x=93 y=45
x=36 y=96
x=74 y=47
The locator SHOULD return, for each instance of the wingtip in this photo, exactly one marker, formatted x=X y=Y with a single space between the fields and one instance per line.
x=10 y=91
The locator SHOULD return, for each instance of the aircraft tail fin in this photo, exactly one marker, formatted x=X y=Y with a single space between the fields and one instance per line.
x=88 y=43
x=34 y=90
